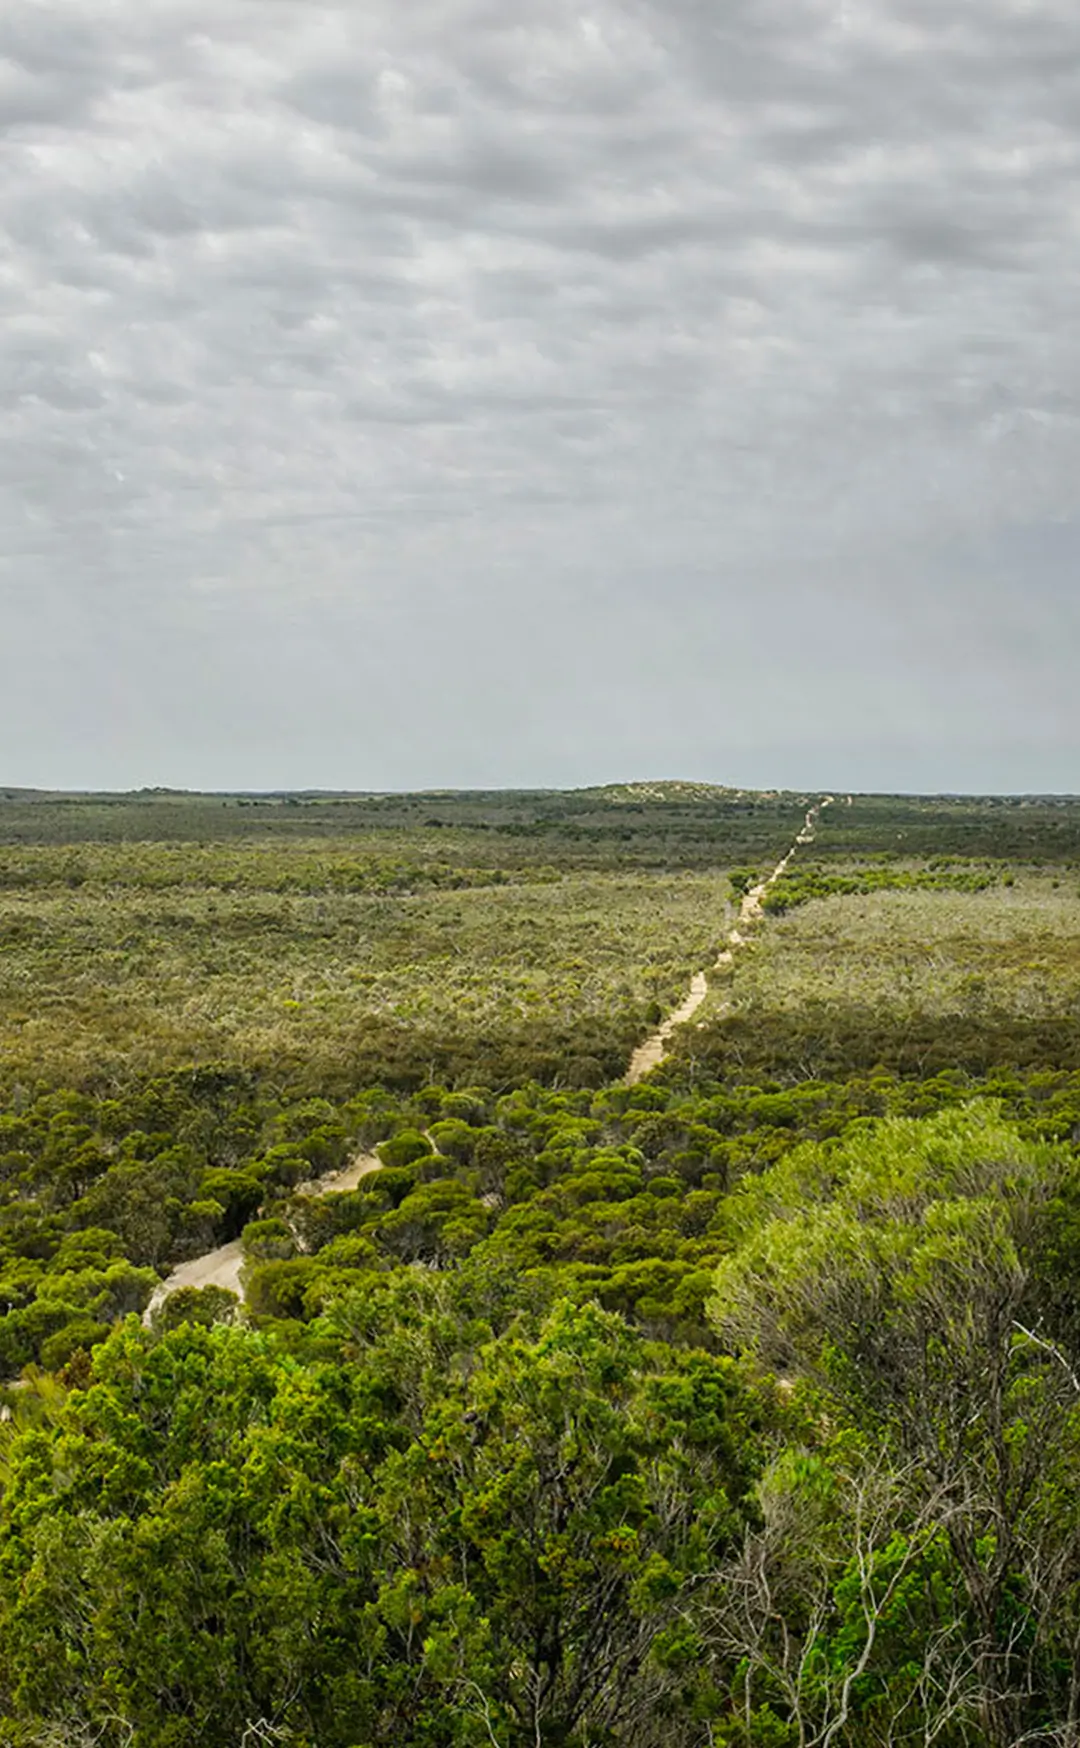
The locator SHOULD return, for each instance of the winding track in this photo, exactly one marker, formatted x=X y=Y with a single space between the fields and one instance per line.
x=221 y=1267
x=651 y=1053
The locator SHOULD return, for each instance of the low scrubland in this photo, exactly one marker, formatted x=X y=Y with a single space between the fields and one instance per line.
x=738 y=1406
x=918 y=979
x=337 y=972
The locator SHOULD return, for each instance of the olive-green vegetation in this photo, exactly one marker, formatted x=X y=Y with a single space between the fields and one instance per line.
x=1030 y=828
x=738 y=1407
x=494 y=938
x=798 y=885
x=332 y=987
x=915 y=979
x=627 y=825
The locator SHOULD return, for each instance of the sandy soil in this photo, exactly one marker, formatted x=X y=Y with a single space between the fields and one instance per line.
x=654 y=1049
x=651 y=1053
x=221 y=1267
x=218 y=1268
x=335 y=1182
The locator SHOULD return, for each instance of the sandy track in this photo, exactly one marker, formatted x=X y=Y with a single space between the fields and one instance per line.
x=218 y=1268
x=221 y=1267
x=651 y=1053
x=654 y=1049
x=336 y=1182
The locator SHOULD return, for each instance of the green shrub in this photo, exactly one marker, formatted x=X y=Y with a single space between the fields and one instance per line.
x=81 y=1335
x=404 y=1148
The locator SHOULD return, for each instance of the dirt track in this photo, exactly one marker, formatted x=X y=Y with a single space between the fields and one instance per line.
x=651 y=1053
x=221 y=1267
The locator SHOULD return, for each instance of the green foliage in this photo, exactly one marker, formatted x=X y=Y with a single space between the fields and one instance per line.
x=460 y=1537
x=800 y=884
x=918 y=980
x=742 y=879
x=404 y=1148
x=346 y=941
x=623 y=1193
x=656 y=826
x=201 y=1305
x=330 y=990
x=888 y=1273
x=1040 y=830
x=738 y=1406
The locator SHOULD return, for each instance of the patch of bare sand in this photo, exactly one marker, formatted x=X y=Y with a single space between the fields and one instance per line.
x=221 y=1267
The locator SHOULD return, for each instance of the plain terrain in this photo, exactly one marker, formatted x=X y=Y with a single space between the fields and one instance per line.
x=737 y=1405
x=440 y=937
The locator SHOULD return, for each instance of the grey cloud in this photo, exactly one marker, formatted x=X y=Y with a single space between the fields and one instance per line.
x=49 y=75
x=337 y=97
x=65 y=394
x=698 y=337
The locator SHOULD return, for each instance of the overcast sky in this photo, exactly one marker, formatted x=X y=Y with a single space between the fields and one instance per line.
x=411 y=393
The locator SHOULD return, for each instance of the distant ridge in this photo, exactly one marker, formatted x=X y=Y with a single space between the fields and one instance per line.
x=667 y=789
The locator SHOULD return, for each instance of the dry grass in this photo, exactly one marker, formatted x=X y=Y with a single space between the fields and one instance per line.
x=908 y=979
x=1014 y=947
x=146 y=973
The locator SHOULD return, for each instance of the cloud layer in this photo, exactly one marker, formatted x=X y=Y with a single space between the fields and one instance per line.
x=470 y=393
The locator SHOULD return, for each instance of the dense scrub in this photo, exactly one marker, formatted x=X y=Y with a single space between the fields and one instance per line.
x=334 y=971
x=1030 y=829
x=620 y=1195
x=465 y=1504
x=483 y=1527
x=741 y=1406
x=915 y=980
x=656 y=826
x=799 y=884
